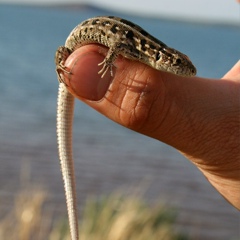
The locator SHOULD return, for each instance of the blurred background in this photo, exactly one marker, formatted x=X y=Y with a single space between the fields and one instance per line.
x=107 y=156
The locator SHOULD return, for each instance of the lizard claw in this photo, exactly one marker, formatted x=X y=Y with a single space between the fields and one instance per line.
x=106 y=65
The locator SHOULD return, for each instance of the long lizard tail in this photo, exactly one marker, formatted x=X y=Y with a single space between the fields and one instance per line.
x=65 y=109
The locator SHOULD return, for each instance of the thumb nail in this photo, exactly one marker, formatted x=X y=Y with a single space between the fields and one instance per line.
x=84 y=80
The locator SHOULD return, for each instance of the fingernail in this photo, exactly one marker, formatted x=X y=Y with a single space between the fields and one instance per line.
x=84 y=80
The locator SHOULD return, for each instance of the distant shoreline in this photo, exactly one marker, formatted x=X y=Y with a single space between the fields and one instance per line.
x=108 y=11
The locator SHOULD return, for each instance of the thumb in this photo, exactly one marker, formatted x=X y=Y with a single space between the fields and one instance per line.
x=129 y=98
x=194 y=115
x=154 y=103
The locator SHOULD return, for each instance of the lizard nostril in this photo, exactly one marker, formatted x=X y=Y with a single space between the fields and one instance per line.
x=178 y=61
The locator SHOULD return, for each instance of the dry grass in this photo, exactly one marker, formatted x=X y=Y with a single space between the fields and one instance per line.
x=116 y=217
x=120 y=217
x=26 y=220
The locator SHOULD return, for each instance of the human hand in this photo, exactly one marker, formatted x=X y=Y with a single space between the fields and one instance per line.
x=199 y=117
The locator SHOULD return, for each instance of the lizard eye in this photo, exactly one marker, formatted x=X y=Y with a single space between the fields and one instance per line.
x=158 y=56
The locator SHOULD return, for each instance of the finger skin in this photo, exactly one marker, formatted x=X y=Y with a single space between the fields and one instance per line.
x=197 y=116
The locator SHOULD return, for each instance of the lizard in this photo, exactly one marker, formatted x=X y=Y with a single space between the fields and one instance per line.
x=122 y=37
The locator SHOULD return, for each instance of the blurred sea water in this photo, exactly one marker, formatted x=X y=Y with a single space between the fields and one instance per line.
x=107 y=156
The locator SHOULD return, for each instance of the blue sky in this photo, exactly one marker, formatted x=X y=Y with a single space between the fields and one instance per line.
x=204 y=10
